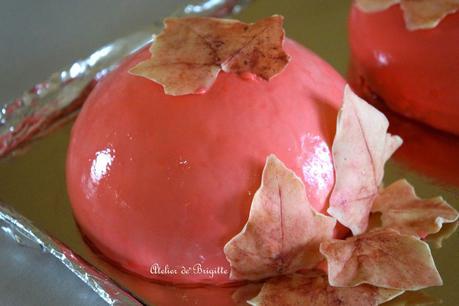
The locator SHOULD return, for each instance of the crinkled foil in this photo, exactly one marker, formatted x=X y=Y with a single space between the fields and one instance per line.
x=49 y=103
x=24 y=232
x=57 y=99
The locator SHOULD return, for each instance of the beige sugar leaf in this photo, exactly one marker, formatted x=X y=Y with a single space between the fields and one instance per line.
x=188 y=54
x=382 y=258
x=360 y=150
x=313 y=290
x=283 y=232
x=404 y=212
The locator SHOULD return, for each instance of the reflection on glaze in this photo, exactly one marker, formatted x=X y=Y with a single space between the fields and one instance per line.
x=382 y=58
x=316 y=163
x=101 y=164
x=182 y=162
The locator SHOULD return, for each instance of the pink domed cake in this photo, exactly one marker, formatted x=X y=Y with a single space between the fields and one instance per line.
x=408 y=60
x=159 y=183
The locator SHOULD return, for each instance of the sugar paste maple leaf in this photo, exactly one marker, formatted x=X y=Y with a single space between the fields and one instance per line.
x=188 y=54
x=403 y=211
x=382 y=258
x=418 y=14
x=360 y=149
x=283 y=232
x=312 y=289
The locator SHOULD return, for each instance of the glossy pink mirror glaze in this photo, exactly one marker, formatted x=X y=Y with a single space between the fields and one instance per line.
x=156 y=179
x=416 y=73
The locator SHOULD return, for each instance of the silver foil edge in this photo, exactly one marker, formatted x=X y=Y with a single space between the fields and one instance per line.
x=20 y=229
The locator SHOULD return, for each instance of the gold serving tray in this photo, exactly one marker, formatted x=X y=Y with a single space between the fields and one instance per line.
x=33 y=179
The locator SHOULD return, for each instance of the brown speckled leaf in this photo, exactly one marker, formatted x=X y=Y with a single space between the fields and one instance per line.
x=283 y=233
x=313 y=289
x=403 y=211
x=382 y=258
x=418 y=14
x=360 y=150
x=188 y=54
